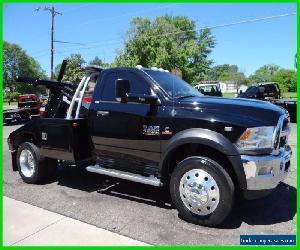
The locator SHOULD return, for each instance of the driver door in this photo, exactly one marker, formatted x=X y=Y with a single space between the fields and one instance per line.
x=117 y=128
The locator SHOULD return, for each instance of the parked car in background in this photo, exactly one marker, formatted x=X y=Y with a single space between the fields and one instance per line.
x=28 y=108
x=263 y=91
x=270 y=91
x=210 y=89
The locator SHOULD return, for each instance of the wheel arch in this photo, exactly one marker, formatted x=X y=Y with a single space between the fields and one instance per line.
x=17 y=141
x=203 y=142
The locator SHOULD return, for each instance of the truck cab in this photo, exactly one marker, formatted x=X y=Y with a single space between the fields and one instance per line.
x=147 y=125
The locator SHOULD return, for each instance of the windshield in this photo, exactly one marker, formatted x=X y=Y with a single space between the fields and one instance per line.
x=251 y=91
x=166 y=81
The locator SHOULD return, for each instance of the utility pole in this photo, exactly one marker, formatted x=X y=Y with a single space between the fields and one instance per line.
x=53 y=13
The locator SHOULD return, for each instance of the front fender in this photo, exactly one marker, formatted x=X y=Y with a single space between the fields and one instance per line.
x=208 y=138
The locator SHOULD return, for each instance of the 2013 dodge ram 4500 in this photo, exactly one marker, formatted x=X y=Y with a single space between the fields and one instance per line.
x=148 y=126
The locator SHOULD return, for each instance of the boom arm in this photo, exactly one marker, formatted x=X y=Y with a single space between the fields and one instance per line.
x=60 y=95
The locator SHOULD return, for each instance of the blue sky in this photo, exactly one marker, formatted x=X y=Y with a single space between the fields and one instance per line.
x=101 y=27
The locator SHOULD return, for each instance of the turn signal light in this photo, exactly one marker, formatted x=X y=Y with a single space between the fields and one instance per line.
x=246 y=135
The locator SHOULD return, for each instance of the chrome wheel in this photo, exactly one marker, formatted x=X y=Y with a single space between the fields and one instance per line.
x=199 y=192
x=27 y=163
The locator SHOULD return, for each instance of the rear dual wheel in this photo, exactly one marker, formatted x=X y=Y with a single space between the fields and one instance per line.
x=202 y=191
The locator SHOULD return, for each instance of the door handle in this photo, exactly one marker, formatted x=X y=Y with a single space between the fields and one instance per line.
x=102 y=113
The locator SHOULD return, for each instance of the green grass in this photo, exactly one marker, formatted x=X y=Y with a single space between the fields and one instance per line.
x=7 y=106
x=289 y=95
x=229 y=95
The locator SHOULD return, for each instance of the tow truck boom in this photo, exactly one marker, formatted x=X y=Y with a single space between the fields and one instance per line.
x=61 y=93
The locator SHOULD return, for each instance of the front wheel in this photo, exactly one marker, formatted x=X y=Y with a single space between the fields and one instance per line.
x=34 y=168
x=202 y=191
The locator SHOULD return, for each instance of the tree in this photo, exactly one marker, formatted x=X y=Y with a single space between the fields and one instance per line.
x=16 y=62
x=99 y=62
x=264 y=73
x=74 y=70
x=96 y=61
x=168 y=42
x=273 y=73
x=286 y=79
x=221 y=72
x=226 y=72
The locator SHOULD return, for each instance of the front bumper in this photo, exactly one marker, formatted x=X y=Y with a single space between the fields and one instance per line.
x=266 y=172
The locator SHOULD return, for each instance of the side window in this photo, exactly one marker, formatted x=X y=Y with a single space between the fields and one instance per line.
x=108 y=91
x=137 y=85
x=272 y=89
x=267 y=89
x=261 y=90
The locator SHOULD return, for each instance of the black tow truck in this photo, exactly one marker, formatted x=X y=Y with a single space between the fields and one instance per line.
x=149 y=126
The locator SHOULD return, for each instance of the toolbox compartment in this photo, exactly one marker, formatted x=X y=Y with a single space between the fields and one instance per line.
x=64 y=139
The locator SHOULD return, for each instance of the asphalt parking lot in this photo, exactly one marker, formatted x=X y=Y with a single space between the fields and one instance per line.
x=145 y=213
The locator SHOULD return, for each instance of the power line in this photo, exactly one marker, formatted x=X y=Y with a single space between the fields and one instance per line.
x=223 y=25
x=57 y=41
x=124 y=14
x=92 y=45
x=82 y=47
x=252 y=20
x=207 y=27
x=115 y=17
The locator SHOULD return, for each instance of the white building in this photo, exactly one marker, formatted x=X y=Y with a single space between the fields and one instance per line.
x=231 y=87
x=227 y=86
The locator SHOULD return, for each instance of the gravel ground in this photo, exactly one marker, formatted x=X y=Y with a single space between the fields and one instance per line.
x=145 y=213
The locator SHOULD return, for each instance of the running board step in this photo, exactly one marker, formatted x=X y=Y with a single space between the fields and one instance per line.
x=125 y=175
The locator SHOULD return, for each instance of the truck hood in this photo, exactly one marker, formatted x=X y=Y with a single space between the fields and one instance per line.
x=253 y=112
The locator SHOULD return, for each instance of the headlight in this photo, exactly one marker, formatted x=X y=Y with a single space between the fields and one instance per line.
x=258 y=139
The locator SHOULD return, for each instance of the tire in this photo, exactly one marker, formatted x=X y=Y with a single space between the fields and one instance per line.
x=202 y=191
x=34 y=168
